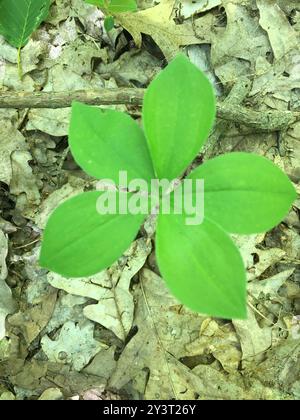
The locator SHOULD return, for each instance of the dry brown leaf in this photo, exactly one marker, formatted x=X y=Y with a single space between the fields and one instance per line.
x=158 y=23
x=282 y=36
x=11 y=141
x=254 y=340
x=190 y=7
x=34 y=319
x=7 y=304
x=220 y=341
x=239 y=44
x=164 y=328
x=110 y=288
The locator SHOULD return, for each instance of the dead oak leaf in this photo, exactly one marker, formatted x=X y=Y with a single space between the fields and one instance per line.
x=158 y=22
x=272 y=18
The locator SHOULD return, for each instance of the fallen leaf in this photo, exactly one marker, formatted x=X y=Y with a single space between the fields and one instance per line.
x=7 y=396
x=157 y=22
x=34 y=319
x=11 y=141
x=23 y=180
x=273 y=18
x=75 y=345
x=51 y=394
x=270 y=286
x=241 y=39
x=55 y=122
x=190 y=7
x=164 y=329
x=73 y=187
x=217 y=385
x=7 y=304
x=103 y=364
x=280 y=369
x=111 y=289
x=254 y=340
x=220 y=341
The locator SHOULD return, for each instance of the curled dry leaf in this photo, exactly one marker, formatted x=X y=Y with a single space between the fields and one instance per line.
x=219 y=340
x=157 y=22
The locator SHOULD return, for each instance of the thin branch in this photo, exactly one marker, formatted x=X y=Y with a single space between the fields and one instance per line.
x=260 y=120
x=56 y=100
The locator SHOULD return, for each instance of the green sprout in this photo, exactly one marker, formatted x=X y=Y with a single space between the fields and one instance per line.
x=243 y=193
x=113 y=7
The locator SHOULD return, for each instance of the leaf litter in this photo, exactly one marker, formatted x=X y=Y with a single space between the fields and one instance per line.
x=120 y=334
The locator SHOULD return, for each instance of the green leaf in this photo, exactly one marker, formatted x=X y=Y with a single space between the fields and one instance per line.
x=115 y=6
x=104 y=142
x=201 y=266
x=79 y=242
x=245 y=193
x=19 y=18
x=178 y=114
x=109 y=23
x=99 y=3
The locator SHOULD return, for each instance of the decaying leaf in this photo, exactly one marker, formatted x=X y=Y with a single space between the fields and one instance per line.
x=217 y=385
x=11 y=140
x=49 y=350
x=190 y=7
x=7 y=304
x=73 y=187
x=282 y=36
x=55 y=122
x=75 y=345
x=256 y=259
x=51 y=394
x=270 y=286
x=281 y=367
x=159 y=24
x=103 y=364
x=111 y=289
x=156 y=340
x=254 y=339
x=236 y=47
x=34 y=319
x=23 y=180
x=151 y=351
x=220 y=341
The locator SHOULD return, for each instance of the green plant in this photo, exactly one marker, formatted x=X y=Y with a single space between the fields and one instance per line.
x=112 y=7
x=244 y=194
x=19 y=18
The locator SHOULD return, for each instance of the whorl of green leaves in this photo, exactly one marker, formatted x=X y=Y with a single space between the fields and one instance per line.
x=243 y=193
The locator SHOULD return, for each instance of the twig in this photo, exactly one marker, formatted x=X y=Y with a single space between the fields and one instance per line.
x=29 y=244
x=260 y=120
x=56 y=100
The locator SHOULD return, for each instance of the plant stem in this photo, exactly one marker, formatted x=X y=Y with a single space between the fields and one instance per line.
x=20 y=69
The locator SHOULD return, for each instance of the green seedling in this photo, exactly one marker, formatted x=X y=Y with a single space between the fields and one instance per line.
x=243 y=193
x=19 y=19
x=113 y=7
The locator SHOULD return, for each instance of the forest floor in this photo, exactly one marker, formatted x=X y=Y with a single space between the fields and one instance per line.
x=49 y=348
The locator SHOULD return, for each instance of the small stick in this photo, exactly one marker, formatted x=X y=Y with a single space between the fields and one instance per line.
x=267 y=121
x=54 y=100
